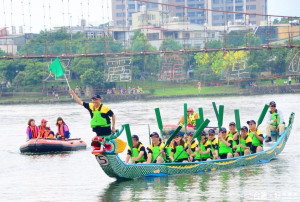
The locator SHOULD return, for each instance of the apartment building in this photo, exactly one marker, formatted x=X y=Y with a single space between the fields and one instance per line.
x=122 y=11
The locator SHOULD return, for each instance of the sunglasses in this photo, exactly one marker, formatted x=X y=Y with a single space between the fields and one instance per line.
x=177 y=136
x=211 y=134
x=223 y=132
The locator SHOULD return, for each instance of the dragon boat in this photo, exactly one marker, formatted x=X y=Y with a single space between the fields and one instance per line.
x=106 y=152
x=52 y=145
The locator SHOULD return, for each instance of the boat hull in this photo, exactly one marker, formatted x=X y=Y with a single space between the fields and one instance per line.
x=113 y=166
x=52 y=145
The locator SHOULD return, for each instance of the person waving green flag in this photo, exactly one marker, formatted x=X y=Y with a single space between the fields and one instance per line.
x=56 y=68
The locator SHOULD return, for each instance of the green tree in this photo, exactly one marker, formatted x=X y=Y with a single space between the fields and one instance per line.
x=92 y=78
x=80 y=65
x=214 y=44
x=147 y=63
x=170 y=44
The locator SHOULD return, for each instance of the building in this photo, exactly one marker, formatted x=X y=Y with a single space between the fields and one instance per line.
x=122 y=11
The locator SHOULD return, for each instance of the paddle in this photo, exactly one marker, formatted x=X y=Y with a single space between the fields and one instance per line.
x=169 y=140
x=198 y=124
x=159 y=122
x=128 y=135
x=198 y=132
x=276 y=125
x=220 y=122
x=215 y=109
x=262 y=115
x=201 y=116
x=185 y=116
x=238 y=125
x=149 y=134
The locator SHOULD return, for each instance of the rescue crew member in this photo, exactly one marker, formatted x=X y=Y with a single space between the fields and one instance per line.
x=138 y=153
x=256 y=136
x=212 y=144
x=45 y=131
x=191 y=118
x=103 y=119
x=244 y=146
x=202 y=153
x=156 y=153
x=233 y=133
x=275 y=121
x=178 y=154
x=62 y=129
x=32 y=130
x=225 y=148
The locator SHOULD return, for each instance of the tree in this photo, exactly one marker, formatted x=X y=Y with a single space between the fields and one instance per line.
x=80 y=65
x=92 y=78
x=170 y=44
x=214 y=44
x=144 y=63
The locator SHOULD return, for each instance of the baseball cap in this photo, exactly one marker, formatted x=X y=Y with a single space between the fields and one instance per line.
x=203 y=133
x=44 y=121
x=211 y=131
x=190 y=133
x=232 y=124
x=244 y=128
x=96 y=96
x=135 y=137
x=251 y=121
x=272 y=103
x=223 y=130
x=154 y=134
x=190 y=110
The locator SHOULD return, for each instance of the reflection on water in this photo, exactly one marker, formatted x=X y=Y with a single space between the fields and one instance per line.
x=223 y=185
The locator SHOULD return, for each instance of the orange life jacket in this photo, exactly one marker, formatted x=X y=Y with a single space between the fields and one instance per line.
x=44 y=131
x=34 y=131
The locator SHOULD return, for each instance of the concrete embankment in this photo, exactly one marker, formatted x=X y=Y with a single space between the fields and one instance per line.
x=256 y=90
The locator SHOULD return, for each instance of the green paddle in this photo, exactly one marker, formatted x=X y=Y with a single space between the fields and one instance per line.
x=238 y=126
x=159 y=122
x=220 y=122
x=201 y=116
x=128 y=135
x=196 y=134
x=185 y=116
x=169 y=140
x=215 y=109
x=198 y=124
x=262 y=115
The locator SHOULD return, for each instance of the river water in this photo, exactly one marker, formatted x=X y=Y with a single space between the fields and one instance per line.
x=76 y=176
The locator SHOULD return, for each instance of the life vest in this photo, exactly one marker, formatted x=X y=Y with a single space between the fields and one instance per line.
x=33 y=132
x=183 y=155
x=275 y=115
x=43 y=132
x=255 y=140
x=191 y=119
x=244 y=142
x=61 y=131
x=231 y=135
x=224 y=149
x=204 y=156
x=136 y=151
x=97 y=119
x=156 y=150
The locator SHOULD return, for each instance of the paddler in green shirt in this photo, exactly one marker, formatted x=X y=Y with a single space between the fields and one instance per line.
x=155 y=150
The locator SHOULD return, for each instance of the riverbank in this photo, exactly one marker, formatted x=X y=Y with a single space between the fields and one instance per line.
x=251 y=90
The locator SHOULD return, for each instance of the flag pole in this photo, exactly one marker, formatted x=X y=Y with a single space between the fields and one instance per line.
x=68 y=84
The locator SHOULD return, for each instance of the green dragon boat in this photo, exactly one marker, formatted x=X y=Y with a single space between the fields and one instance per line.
x=106 y=152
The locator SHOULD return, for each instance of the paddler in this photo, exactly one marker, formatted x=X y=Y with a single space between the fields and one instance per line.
x=138 y=153
x=156 y=154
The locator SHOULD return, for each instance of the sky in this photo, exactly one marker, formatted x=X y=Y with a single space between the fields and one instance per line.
x=36 y=15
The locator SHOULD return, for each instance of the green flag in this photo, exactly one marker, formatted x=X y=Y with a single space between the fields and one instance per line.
x=56 y=68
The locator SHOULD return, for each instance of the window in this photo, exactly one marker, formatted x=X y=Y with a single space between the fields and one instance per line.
x=238 y=16
x=238 y=1
x=119 y=22
x=251 y=7
x=120 y=14
x=131 y=6
x=120 y=6
x=191 y=14
x=153 y=36
x=239 y=8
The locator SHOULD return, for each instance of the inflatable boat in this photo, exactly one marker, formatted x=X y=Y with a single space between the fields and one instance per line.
x=52 y=145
